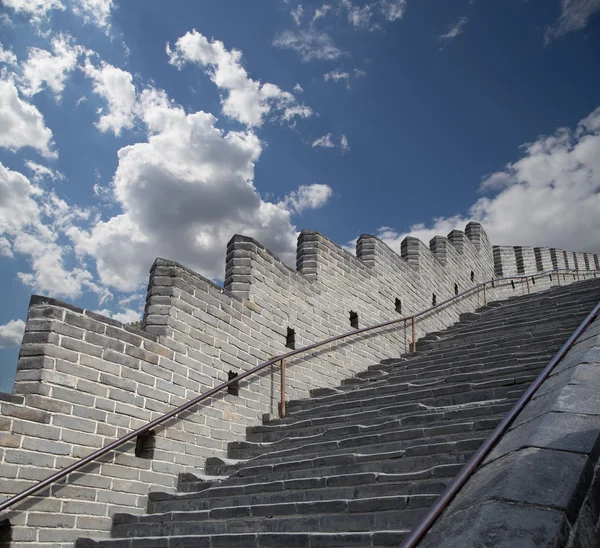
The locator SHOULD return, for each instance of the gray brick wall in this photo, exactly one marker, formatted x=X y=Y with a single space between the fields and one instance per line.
x=83 y=380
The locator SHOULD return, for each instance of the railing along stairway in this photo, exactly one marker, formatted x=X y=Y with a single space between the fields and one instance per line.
x=418 y=532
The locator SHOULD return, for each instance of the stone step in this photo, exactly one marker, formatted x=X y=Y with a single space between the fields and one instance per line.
x=337 y=515
x=406 y=460
x=437 y=396
x=297 y=539
x=400 y=381
x=391 y=440
x=409 y=417
x=351 y=486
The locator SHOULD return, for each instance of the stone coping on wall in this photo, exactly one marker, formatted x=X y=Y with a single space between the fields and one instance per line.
x=540 y=485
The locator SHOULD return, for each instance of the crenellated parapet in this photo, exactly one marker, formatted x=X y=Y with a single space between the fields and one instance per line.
x=83 y=379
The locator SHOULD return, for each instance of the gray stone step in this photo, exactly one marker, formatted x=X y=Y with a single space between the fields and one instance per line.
x=338 y=515
x=298 y=539
x=356 y=466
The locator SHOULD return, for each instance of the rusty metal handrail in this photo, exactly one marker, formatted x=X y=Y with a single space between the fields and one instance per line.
x=417 y=533
x=198 y=399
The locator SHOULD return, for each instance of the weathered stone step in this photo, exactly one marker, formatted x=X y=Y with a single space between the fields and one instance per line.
x=297 y=539
x=369 y=443
x=337 y=515
x=356 y=486
x=454 y=394
x=409 y=459
x=399 y=381
x=290 y=435
x=407 y=414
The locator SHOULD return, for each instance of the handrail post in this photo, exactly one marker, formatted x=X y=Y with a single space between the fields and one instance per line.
x=558 y=276
x=577 y=272
x=414 y=341
x=282 y=391
x=484 y=295
x=528 y=290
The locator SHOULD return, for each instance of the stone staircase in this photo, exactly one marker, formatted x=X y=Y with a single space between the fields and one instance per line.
x=357 y=466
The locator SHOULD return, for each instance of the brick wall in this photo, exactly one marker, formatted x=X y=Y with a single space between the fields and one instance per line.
x=84 y=380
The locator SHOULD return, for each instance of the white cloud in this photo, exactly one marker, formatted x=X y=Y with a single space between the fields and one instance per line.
x=22 y=123
x=548 y=197
x=575 y=15
x=116 y=87
x=95 y=12
x=11 y=333
x=344 y=144
x=392 y=9
x=337 y=75
x=308 y=197
x=359 y=17
x=127 y=315
x=325 y=142
x=31 y=221
x=41 y=172
x=36 y=9
x=297 y=14
x=207 y=174
x=7 y=56
x=321 y=12
x=310 y=44
x=454 y=30
x=44 y=68
x=298 y=88
x=247 y=100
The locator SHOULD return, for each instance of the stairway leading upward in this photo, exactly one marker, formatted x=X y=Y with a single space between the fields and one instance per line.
x=358 y=466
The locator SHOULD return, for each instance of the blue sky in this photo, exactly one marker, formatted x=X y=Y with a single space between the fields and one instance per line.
x=143 y=128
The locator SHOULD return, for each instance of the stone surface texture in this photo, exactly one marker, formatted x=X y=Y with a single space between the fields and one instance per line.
x=83 y=380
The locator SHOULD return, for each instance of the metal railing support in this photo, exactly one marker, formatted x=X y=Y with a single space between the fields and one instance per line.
x=414 y=340
x=282 y=390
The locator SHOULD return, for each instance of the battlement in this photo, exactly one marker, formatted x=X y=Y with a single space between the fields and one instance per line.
x=83 y=380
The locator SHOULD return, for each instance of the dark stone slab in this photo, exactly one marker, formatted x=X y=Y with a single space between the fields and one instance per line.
x=499 y=525
x=539 y=477
x=560 y=431
x=579 y=399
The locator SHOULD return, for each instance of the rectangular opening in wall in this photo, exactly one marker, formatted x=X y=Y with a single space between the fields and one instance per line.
x=433 y=300
x=472 y=276
x=398 y=306
x=290 y=339
x=456 y=289
x=233 y=388
x=144 y=445
x=353 y=319
x=5 y=533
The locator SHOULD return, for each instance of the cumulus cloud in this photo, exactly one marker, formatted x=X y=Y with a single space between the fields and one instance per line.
x=11 y=333
x=22 y=123
x=207 y=174
x=7 y=56
x=127 y=315
x=37 y=10
x=575 y=15
x=115 y=86
x=310 y=44
x=31 y=223
x=41 y=173
x=44 y=68
x=247 y=100
x=95 y=12
x=308 y=197
x=548 y=197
